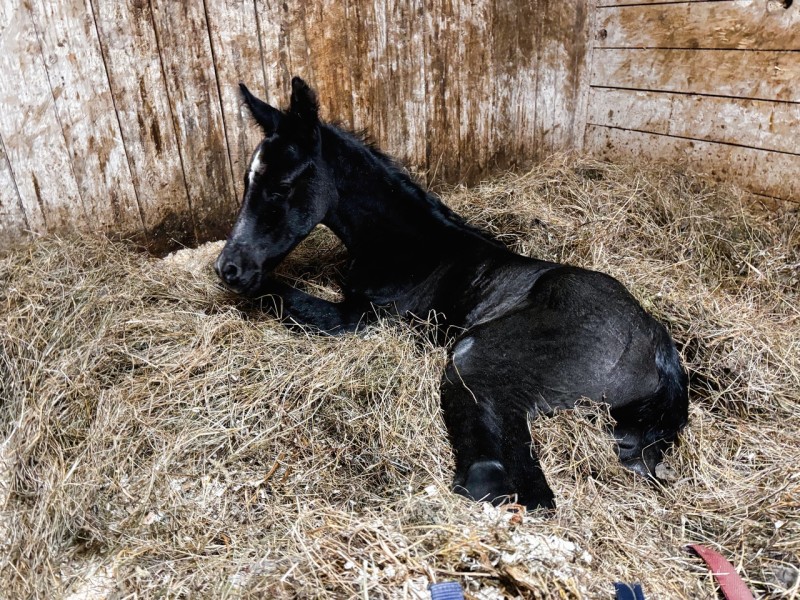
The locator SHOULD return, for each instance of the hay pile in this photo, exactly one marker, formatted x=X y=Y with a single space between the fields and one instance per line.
x=163 y=438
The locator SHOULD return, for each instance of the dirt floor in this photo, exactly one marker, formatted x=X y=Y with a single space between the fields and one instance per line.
x=162 y=438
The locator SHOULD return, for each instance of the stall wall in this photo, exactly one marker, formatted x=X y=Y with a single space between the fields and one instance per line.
x=712 y=84
x=124 y=115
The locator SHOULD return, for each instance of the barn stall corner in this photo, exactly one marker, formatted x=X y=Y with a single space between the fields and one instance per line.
x=162 y=438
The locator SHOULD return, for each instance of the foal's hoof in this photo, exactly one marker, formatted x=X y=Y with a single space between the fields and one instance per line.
x=485 y=482
x=543 y=499
x=640 y=467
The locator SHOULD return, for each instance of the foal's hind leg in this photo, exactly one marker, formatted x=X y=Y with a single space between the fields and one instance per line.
x=637 y=448
x=492 y=444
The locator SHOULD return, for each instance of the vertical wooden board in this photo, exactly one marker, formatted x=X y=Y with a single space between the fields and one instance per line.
x=86 y=111
x=434 y=65
x=13 y=223
x=237 y=57
x=759 y=171
x=329 y=55
x=615 y=3
x=451 y=168
x=367 y=67
x=32 y=134
x=184 y=46
x=406 y=127
x=561 y=56
x=515 y=36
x=297 y=49
x=583 y=51
x=443 y=98
x=766 y=75
x=475 y=49
x=754 y=123
x=284 y=47
x=130 y=50
x=273 y=38
x=761 y=25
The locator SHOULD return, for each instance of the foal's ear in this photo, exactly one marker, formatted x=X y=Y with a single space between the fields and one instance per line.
x=303 y=101
x=264 y=114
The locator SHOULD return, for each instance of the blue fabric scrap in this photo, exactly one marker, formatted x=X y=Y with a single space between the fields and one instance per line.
x=628 y=592
x=447 y=590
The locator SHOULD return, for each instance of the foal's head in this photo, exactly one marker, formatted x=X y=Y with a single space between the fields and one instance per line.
x=287 y=190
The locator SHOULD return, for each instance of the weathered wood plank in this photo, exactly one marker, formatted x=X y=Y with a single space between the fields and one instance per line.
x=476 y=43
x=237 y=57
x=185 y=49
x=616 y=3
x=130 y=50
x=756 y=123
x=442 y=71
x=562 y=53
x=34 y=141
x=406 y=133
x=297 y=49
x=760 y=171
x=13 y=223
x=273 y=38
x=584 y=68
x=765 y=75
x=328 y=46
x=368 y=67
x=515 y=34
x=87 y=115
x=721 y=25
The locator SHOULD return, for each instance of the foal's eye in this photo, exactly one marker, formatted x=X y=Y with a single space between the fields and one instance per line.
x=271 y=211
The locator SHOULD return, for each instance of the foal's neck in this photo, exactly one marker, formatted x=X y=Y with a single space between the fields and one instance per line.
x=379 y=207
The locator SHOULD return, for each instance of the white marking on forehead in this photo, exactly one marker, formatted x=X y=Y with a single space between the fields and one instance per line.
x=257 y=167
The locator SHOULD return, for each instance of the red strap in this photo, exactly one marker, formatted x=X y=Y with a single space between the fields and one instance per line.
x=731 y=585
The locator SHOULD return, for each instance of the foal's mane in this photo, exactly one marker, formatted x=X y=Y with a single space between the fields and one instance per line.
x=361 y=141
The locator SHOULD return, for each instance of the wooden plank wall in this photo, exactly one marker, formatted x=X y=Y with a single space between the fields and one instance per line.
x=122 y=115
x=715 y=84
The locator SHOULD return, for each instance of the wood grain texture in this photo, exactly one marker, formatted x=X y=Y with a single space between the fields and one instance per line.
x=474 y=108
x=237 y=57
x=405 y=83
x=273 y=36
x=767 y=75
x=327 y=27
x=561 y=60
x=13 y=223
x=130 y=51
x=442 y=95
x=759 y=171
x=584 y=79
x=369 y=69
x=29 y=125
x=516 y=30
x=615 y=3
x=456 y=88
x=755 y=123
x=187 y=60
x=87 y=115
x=748 y=24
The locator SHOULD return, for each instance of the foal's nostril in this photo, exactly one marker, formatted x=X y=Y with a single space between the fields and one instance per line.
x=231 y=271
x=228 y=272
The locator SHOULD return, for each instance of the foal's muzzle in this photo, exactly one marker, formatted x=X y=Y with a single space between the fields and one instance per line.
x=232 y=269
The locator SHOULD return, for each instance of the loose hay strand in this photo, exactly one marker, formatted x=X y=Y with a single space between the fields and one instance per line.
x=162 y=438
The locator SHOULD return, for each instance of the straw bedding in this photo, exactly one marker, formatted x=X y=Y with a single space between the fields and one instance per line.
x=162 y=438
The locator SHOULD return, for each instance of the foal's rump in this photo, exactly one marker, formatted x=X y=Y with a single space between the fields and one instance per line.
x=579 y=334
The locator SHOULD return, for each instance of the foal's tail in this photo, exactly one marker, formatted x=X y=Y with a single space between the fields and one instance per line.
x=669 y=408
